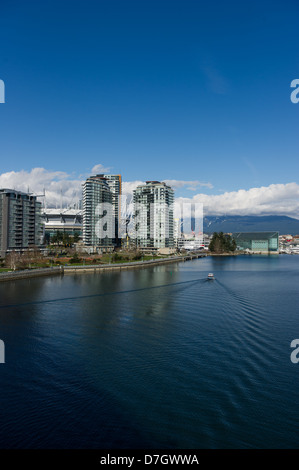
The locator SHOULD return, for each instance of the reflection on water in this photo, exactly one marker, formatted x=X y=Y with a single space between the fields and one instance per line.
x=154 y=357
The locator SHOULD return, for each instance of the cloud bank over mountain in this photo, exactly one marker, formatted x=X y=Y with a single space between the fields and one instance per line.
x=276 y=199
x=66 y=189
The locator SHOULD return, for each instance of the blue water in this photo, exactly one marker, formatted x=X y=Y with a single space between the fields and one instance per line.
x=153 y=358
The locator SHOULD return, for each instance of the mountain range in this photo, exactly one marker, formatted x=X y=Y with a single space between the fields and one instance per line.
x=237 y=223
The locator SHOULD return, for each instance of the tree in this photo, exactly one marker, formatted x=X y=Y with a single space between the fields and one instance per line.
x=12 y=260
x=76 y=237
x=66 y=240
x=222 y=243
x=57 y=238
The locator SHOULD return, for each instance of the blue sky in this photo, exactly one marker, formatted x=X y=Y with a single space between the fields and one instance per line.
x=171 y=90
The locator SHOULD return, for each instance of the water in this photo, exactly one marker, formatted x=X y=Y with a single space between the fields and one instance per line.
x=153 y=358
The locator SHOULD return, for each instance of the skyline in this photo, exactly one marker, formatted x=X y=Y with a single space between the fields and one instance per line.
x=191 y=95
x=60 y=190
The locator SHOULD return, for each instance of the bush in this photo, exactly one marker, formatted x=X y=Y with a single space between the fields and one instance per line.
x=75 y=259
x=116 y=257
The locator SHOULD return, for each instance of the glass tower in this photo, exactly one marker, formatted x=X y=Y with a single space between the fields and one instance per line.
x=98 y=214
x=153 y=215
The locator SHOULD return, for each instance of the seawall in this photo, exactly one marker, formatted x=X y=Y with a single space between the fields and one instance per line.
x=27 y=273
x=69 y=269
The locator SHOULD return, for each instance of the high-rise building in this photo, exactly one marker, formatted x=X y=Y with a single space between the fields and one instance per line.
x=98 y=214
x=20 y=221
x=114 y=183
x=153 y=214
x=177 y=231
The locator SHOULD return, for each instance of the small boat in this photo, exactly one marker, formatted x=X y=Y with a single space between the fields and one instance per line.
x=211 y=276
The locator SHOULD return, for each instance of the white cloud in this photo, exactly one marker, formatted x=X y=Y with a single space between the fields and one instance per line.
x=99 y=168
x=280 y=199
x=191 y=185
x=129 y=186
x=58 y=185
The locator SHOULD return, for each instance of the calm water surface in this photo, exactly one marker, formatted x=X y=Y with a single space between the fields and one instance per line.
x=153 y=358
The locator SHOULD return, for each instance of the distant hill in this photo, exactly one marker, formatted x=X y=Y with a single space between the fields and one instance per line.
x=237 y=223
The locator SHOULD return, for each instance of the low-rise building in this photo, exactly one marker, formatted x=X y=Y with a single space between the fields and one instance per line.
x=257 y=242
x=66 y=221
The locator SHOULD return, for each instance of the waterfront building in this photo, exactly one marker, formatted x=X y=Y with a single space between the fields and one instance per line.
x=177 y=232
x=191 y=244
x=66 y=221
x=153 y=215
x=20 y=221
x=114 y=183
x=257 y=242
x=98 y=214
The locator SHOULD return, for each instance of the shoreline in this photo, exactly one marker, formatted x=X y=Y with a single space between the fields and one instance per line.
x=72 y=269
x=61 y=270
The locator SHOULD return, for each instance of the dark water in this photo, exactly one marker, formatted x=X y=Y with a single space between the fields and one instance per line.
x=158 y=357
